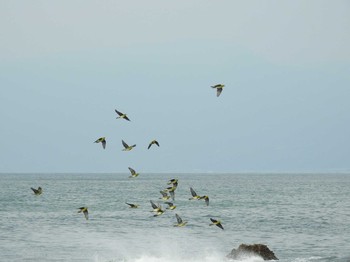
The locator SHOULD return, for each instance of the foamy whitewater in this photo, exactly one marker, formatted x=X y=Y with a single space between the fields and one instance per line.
x=300 y=217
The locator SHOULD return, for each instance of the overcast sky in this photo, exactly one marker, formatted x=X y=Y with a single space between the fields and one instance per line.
x=66 y=65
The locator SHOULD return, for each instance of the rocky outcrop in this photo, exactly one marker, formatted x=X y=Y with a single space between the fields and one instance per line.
x=252 y=250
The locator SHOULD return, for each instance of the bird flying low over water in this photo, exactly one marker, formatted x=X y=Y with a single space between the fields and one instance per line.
x=127 y=147
x=171 y=206
x=219 y=88
x=85 y=212
x=153 y=142
x=206 y=199
x=157 y=209
x=194 y=195
x=133 y=173
x=164 y=195
x=132 y=205
x=216 y=223
x=37 y=191
x=121 y=115
x=101 y=140
x=180 y=223
x=172 y=181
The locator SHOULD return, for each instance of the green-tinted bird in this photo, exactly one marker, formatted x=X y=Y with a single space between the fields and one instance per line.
x=133 y=173
x=194 y=195
x=219 y=88
x=172 y=181
x=85 y=212
x=37 y=191
x=133 y=205
x=180 y=223
x=101 y=140
x=164 y=195
x=157 y=209
x=127 y=147
x=121 y=115
x=171 y=206
x=216 y=223
x=206 y=199
x=153 y=142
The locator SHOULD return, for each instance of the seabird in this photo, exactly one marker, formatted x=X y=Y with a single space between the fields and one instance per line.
x=127 y=147
x=37 y=191
x=153 y=142
x=154 y=206
x=194 y=195
x=172 y=181
x=133 y=173
x=102 y=140
x=180 y=223
x=121 y=115
x=219 y=88
x=171 y=206
x=85 y=211
x=164 y=195
x=132 y=205
x=206 y=198
x=216 y=223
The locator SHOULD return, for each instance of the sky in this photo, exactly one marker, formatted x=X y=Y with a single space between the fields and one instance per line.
x=65 y=66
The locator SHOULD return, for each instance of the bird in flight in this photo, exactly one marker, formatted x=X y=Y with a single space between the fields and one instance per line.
x=101 y=140
x=206 y=199
x=153 y=142
x=164 y=195
x=133 y=173
x=194 y=194
x=127 y=147
x=121 y=115
x=85 y=212
x=219 y=88
x=171 y=206
x=180 y=223
x=216 y=223
x=132 y=205
x=37 y=191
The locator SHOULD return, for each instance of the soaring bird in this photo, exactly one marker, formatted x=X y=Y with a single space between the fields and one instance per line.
x=206 y=198
x=172 y=181
x=219 y=88
x=85 y=211
x=102 y=140
x=153 y=142
x=194 y=195
x=132 y=205
x=171 y=206
x=133 y=173
x=37 y=191
x=216 y=223
x=127 y=147
x=164 y=195
x=154 y=206
x=121 y=115
x=180 y=223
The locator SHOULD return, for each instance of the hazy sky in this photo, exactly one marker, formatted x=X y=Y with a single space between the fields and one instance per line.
x=66 y=65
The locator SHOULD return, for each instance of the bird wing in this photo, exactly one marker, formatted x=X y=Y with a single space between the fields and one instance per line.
x=125 y=144
x=179 y=220
x=154 y=206
x=132 y=171
x=219 y=225
x=156 y=142
x=207 y=201
x=194 y=194
x=36 y=191
x=119 y=113
x=172 y=194
x=104 y=144
x=86 y=214
x=218 y=91
x=164 y=194
x=150 y=144
x=213 y=220
x=125 y=117
x=169 y=203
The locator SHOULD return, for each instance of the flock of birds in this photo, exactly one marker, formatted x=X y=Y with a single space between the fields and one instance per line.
x=173 y=183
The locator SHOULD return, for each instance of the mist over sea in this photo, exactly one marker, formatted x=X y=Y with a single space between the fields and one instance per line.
x=301 y=217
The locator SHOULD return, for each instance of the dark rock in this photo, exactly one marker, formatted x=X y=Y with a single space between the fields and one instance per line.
x=252 y=250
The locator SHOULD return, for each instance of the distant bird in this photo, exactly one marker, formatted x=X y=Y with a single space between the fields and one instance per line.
x=85 y=212
x=102 y=140
x=154 y=206
x=206 y=198
x=133 y=173
x=194 y=195
x=153 y=142
x=171 y=206
x=216 y=223
x=121 y=115
x=164 y=195
x=37 y=191
x=219 y=88
x=127 y=147
x=132 y=205
x=180 y=223
x=172 y=181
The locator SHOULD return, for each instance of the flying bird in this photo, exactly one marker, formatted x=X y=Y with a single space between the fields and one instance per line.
x=171 y=206
x=206 y=199
x=101 y=140
x=85 y=212
x=219 y=88
x=180 y=223
x=172 y=181
x=37 y=191
x=133 y=173
x=194 y=195
x=216 y=223
x=154 y=206
x=127 y=147
x=132 y=205
x=121 y=115
x=153 y=142
x=164 y=195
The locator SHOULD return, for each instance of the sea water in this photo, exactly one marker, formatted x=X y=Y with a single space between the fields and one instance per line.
x=300 y=217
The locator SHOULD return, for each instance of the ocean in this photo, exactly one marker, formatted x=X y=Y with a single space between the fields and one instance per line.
x=300 y=217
